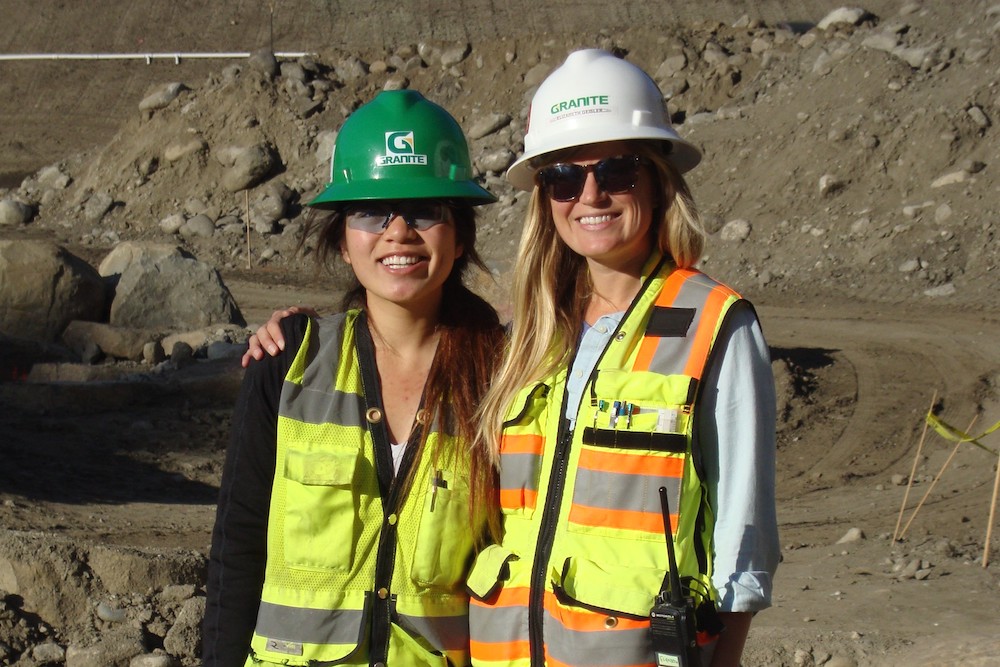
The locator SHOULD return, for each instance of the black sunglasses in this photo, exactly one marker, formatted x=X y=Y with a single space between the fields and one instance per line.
x=373 y=217
x=564 y=181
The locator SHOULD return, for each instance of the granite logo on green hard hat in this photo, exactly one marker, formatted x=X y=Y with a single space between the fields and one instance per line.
x=399 y=149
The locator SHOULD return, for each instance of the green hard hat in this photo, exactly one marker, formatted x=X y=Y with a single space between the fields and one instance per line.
x=400 y=146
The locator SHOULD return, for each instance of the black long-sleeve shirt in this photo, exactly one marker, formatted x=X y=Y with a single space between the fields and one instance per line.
x=239 y=539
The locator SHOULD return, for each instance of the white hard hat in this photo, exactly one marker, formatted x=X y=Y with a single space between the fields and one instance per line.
x=594 y=97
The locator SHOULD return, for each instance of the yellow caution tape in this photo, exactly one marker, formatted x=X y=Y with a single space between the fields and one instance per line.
x=949 y=432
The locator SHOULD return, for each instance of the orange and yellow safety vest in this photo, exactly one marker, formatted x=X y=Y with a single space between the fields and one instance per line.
x=584 y=552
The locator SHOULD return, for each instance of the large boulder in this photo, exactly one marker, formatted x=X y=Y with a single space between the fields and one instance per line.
x=172 y=294
x=126 y=253
x=247 y=166
x=44 y=287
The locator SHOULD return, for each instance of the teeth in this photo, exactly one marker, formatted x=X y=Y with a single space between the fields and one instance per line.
x=396 y=261
x=594 y=219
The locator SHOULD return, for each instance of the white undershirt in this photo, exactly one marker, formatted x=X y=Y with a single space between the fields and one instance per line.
x=397 y=454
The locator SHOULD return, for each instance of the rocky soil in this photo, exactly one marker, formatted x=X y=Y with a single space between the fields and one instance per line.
x=850 y=184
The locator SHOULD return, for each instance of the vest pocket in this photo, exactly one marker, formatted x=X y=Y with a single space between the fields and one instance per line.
x=498 y=615
x=600 y=611
x=321 y=513
x=444 y=538
x=490 y=570
x=299 y=634
x=616 y=493
x=633 y=441
x=646 y=402
x=521 y=447
x=626 y=590
x=406 y=650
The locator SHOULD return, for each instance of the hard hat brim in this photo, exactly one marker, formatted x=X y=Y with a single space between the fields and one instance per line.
x=417 y=188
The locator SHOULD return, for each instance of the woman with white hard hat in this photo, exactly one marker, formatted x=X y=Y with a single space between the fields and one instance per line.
x=634 y=388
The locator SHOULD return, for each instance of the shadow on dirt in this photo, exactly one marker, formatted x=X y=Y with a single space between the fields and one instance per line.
x=806 y=358
x=80 y=470
x=146 y=438
x=800 y=365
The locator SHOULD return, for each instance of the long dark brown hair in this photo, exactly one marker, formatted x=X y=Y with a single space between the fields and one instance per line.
x=469 y=349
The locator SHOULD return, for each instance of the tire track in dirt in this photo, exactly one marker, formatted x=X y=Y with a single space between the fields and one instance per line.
x=895 y=363
x=875 y=372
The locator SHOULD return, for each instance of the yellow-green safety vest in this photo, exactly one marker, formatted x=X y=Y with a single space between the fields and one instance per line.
x=584 y=552
x=356 y=575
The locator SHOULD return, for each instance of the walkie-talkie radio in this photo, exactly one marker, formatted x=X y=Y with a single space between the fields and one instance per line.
x=672 y=619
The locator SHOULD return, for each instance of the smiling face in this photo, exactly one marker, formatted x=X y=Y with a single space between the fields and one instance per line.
x=612 y=230
x=401 y=265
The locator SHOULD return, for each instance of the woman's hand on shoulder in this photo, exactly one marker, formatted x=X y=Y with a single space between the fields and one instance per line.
x=269 y=338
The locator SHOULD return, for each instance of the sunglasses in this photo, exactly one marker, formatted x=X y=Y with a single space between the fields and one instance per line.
x=564 y=181
x=374 y=217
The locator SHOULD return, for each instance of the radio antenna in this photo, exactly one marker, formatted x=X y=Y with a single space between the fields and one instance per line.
x=676 y=596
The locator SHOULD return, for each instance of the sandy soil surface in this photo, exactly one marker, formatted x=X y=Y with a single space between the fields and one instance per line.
x=878 y=299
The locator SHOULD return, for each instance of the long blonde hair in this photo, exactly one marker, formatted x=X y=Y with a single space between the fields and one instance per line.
x=552 y=285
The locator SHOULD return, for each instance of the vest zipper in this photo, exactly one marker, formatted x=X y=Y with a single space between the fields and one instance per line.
x=543 y=549
x=553 y=499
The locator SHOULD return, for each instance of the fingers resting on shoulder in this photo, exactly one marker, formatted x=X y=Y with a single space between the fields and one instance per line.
x=268 y=339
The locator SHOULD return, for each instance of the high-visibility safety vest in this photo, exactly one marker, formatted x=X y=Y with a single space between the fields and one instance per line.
x=355 y=574
x=584 y=552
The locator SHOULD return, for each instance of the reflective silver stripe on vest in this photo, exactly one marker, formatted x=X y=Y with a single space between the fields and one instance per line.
x=617 y=491
x=519 y=471
x=498 y=625
x=445 y=633
x=319 y=407
x=309 y=626
x=672 y=354
x=597 y=648
x=317 y=400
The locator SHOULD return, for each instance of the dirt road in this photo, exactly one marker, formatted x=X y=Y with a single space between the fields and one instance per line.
x=876 y=371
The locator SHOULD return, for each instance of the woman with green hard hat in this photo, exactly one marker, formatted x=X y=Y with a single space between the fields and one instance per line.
x=351 y=500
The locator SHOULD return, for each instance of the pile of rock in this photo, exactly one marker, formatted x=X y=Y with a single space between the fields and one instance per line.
x=850 y=157
x=141 y=304
x=115 y=606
